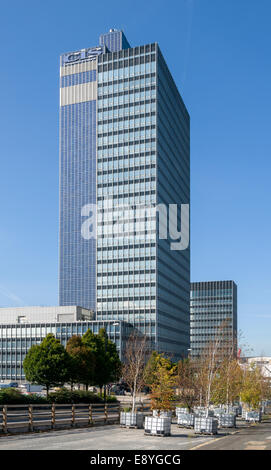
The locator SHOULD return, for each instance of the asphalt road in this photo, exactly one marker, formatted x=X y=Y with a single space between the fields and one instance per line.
x=112 y=437
x=255 y=437
x=102 y=438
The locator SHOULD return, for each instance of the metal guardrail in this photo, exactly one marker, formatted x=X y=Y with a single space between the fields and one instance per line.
x=36 y=417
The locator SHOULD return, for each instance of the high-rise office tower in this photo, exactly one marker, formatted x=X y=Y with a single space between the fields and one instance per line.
x=124 y=145
x=213 y=311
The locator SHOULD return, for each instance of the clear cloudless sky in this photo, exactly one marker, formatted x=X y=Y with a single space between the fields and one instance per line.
x=219 y=54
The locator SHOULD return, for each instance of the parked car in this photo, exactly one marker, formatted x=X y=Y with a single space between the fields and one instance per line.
x=9 y=385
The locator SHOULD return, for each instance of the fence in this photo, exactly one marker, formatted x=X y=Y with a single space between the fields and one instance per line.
x=23 y=418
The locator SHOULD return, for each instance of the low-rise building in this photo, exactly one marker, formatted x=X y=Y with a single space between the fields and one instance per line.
x=264 y=362
x=20 y=328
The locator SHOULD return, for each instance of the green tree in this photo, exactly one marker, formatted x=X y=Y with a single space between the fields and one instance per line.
x=227 y=383
x=151 y=367
x=108 y=364
x=47 y=363
x=251 y=389
x=110 y=360
x=82 y=362
x=163 y=385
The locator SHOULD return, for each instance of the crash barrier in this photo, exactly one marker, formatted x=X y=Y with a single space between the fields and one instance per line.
x=23 y=418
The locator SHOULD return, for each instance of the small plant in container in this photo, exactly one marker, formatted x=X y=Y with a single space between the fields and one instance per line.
x=128 y=419
x=162 y=395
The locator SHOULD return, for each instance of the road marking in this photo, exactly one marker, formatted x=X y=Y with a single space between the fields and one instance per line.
x=255 y=445
x=255 y=448
x=213 y=439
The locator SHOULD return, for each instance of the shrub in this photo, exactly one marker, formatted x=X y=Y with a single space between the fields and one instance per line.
x=33 y=399
x=111 y=399
x=11 y=396
x=77 y=396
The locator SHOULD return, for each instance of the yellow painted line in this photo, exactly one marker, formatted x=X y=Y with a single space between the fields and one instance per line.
x=211 y=441
x=224 y=437
x=255 y=448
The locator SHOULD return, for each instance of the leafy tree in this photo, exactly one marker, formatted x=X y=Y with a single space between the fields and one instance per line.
x=108 y=364
x=109 y=359
x=164 y=382
x=82 y=362
x=47 y=363
x=151 y=367
x=227 y=383
x=251 y=390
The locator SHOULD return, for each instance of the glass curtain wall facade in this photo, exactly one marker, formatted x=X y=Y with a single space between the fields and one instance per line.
x=142 y=159
x=173 y=187
x=114 y=40
x=211 y=305
x=126 y=266
x=78 y=96
x=17 y=339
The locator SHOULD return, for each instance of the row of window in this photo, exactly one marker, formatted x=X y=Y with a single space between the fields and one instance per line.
x=146 y=93
x=120 y=125
x=123 y=305
x=130 y=52
x=134 y=130
x=127 y=188
x=211 y=293
x=122 y=266
x=129 y=62
x=125 y=238
x=115 y=278
x=125 y=175
x=37 y=332
x=131 y=136
x=124 y=72
x=125 y=253
x=132 y=109
x=126 y=119
x=208 y=310
x=115 y=256
x=130 y=292
x=115 y=150
x=211 y=302
x=126 y=85
x=127 y=161
x=127 y=98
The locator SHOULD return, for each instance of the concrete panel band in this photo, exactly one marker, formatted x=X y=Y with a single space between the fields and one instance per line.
x=77 y=68
x=78 y=93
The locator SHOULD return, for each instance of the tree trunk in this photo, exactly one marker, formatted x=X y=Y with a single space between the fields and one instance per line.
x=134 y=401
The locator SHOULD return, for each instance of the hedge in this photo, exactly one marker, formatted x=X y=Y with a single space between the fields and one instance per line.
x=11 y=396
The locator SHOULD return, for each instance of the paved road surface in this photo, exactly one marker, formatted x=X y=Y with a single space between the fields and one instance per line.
x=112 y=437
x=255 y=437
x=102 y=438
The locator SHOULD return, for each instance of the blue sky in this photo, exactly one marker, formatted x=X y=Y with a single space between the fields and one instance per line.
x=219 y=54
